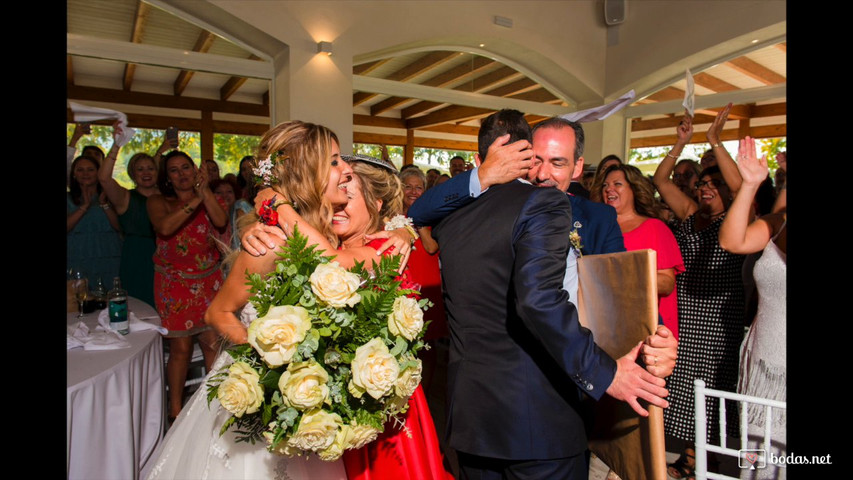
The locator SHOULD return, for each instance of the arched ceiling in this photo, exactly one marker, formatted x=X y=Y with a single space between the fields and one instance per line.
x=437 y=94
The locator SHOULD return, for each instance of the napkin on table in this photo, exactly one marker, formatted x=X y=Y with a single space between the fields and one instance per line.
x=80 y=336
x=136 y=325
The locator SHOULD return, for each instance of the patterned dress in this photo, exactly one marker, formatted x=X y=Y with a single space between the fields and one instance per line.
x=187 y=275
x=711 y=328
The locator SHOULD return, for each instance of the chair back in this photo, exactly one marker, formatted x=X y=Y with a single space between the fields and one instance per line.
x=751 y=459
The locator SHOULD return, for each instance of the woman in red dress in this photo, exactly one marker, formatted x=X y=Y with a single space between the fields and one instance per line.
x=185 y=215
x=626 y=189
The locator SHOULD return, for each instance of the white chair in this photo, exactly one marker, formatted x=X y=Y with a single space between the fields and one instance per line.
x=703 y=447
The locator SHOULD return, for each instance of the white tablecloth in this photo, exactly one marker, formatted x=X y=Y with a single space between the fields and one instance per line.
x=116 y=398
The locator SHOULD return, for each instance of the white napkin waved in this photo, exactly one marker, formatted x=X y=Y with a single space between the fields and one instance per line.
x=136 y=325
x=689 y=94
x=85 y=113
x=602 y=112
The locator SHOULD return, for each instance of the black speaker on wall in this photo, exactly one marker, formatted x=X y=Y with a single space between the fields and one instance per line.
x=614 y=11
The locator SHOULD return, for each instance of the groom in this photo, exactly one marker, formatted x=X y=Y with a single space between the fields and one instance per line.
x=519 y=359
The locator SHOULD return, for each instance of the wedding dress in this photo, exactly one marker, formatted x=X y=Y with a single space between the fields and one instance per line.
x=193 y=448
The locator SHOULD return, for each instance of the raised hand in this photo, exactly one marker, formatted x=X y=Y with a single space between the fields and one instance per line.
x=684 y=130
x=713 y=133
x=752 y=169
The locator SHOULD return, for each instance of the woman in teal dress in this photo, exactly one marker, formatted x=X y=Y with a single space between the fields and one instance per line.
x=92 y=227
x=137 y=267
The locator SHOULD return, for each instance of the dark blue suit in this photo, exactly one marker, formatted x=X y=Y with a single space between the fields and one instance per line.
x=519 y=357
x=595 y=222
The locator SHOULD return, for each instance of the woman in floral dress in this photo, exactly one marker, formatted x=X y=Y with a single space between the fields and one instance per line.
x=186 y=264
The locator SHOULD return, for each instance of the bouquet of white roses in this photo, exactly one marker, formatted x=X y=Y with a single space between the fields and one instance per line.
x=331 y=357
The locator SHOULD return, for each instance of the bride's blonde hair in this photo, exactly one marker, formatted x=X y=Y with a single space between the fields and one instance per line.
x=301 y=154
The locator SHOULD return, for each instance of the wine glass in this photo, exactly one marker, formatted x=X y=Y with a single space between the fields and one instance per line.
x=81 y=290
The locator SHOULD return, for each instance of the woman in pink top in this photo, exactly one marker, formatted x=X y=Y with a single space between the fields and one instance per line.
x=633 y=196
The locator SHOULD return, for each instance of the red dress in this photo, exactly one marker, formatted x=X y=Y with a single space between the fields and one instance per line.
x=654 y=234
x=396 y=454
x=424 y=270
x=186 y=275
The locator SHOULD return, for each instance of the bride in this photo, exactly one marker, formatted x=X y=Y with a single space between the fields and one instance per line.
x=315 y=178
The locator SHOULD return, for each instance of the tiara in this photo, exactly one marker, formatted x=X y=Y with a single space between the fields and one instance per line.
x=263 y=170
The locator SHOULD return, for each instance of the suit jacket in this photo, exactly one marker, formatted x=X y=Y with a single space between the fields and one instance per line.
x=519 y=359
x=575 y=188
x=596 y=222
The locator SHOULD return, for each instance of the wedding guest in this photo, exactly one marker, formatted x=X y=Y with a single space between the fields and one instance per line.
x=685 y=175
x=212 y=169
x=441 y=179
x=432 y=175
x=137 y=266
x=93 y=243
x=763 y=371
x=627 y=190
x=425 y=271
x=710 y=293
x=229 y=193
x=457 y=165
x=245 y=177
x=185 y=215
x=605 y=162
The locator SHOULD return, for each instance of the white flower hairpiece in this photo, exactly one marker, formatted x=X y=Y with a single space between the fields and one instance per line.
x=263 y=171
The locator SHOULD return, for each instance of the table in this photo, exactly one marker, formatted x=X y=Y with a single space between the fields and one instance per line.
x=115 y=405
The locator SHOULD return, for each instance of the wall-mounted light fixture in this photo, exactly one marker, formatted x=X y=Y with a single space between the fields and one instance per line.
x=324 y=47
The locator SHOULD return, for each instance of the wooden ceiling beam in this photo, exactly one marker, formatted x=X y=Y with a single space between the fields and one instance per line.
x=422 y=142
x=668 y=93
x=372 y=121
x=763 y=131
x=638 y=125
x=110 y=95
x=538 y=95
x=782 y=46
x=454 y=129
x=419 y=66
x=453 y=113
x=365 y=68
x=476 y=85
x=202 y=45
x=755 y=70
x=713 y=83
x=69 y=71
x=753 y=111
x=139 y=21
x=234 y=83
x=160 y=122
x=440 y=80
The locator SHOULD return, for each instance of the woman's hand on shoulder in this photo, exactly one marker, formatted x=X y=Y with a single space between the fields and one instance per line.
x=259 y=237
x=398 y=241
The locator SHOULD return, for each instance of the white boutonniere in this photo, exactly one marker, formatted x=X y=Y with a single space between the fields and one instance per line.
x=575 y=238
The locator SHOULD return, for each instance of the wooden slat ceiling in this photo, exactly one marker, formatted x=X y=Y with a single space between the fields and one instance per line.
x=139 y=23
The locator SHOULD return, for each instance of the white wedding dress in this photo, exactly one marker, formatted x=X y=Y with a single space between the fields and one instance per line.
x=193 y=449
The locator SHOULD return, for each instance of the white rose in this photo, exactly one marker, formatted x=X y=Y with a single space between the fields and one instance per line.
x=374 y=370
x=303 y=385
x=336 y=449
x=334 y=285
x=317 y=430
x=409 y=380
x=277 y=334
x=241 y=392
x=361 y=436
x=406 y=318
x=281 y=448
